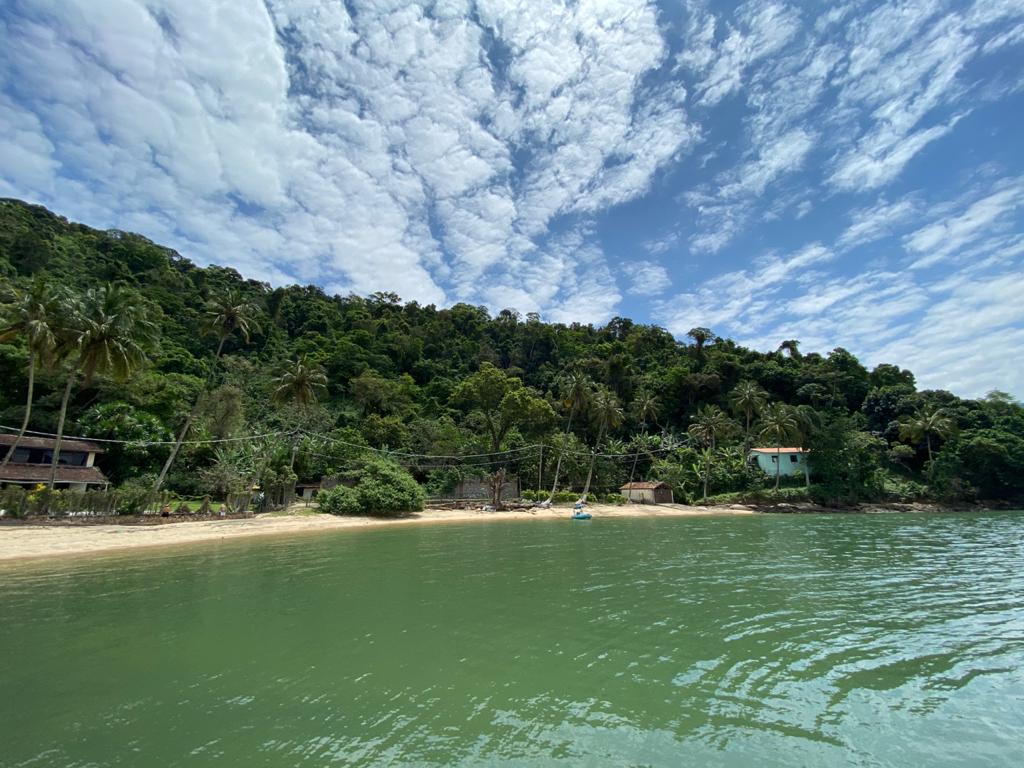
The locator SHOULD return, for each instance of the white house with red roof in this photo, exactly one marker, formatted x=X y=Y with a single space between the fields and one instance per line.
x=790 y=461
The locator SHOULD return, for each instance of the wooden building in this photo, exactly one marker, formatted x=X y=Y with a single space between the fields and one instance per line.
x=30 y=465
x=647 y=492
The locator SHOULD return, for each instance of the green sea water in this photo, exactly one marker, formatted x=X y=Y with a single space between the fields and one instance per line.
x=864 y=640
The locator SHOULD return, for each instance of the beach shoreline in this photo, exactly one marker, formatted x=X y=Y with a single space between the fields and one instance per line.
x=38 y=541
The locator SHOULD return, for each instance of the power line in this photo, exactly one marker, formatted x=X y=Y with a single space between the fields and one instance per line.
x=34 y=433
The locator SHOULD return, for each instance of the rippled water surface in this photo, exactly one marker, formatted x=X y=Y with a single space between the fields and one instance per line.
x=884 y=640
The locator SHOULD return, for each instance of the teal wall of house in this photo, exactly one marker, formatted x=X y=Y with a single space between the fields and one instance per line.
x=792 y=463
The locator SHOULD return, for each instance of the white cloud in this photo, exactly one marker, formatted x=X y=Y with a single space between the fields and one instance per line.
x=647 y=278
x=949 y=235
x=762 y=28
x=420 y=149
x=870 y=224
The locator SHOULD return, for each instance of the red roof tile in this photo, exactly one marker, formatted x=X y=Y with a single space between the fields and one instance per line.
x=778 y=450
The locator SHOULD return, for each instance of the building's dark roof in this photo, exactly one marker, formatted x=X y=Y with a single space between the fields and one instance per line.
x=644 y=486
x=40 y=473
x=85 y=446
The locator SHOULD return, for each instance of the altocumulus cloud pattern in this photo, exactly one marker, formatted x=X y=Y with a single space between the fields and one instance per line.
x=845 y=173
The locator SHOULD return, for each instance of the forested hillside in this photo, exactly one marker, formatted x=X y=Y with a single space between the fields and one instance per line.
x=330 y=384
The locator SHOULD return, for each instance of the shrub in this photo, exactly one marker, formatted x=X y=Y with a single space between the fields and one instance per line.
x=381 y=488
x=134 y=495
x=340 y=500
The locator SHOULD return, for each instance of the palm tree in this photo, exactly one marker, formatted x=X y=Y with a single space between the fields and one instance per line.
x=575 y=394
x=35 y=315
x=645 y=409
x=607 y=414
x=300 y=382
x=778 y=425
x=224 y=314
x=108 y=332
x=700 y=336
x=227 y=312
x=645 y=406
x=748 y=399
x=710 y=424
x=807 y=421
x=925 y=424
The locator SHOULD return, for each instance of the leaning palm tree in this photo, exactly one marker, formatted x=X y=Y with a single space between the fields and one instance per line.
x=607 y=414
x=747 y=399
x=108 y=332
x=710 y=425
x=225 y=314
x=926 y=424
x=300 y=382
x=33 y=314
x=576 y=389
x=778 y=425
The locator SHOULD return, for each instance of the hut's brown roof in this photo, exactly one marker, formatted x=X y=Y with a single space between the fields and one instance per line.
x=643 y=486
x=85 y=446
x=40 y=473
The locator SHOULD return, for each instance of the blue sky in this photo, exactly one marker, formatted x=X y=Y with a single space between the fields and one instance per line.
x=847 y=174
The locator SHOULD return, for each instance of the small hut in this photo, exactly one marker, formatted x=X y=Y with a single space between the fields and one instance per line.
x=647 y=492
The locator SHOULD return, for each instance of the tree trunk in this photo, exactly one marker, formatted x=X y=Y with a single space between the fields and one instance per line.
x=593 y=458
x=28 y=410
x=497 y=481
x=778 y=466
x=636 y=458
x=558 y=464
x=60 y=432
x=187 y=426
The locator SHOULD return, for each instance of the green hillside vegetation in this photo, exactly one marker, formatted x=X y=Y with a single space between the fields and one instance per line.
x=143 y=346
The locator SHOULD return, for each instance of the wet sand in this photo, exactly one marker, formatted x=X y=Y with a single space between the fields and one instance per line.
x=31 y=542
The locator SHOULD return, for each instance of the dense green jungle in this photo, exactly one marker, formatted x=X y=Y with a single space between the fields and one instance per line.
x=207 y=383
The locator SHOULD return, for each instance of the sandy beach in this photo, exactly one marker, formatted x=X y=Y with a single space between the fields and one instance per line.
x=30 y=542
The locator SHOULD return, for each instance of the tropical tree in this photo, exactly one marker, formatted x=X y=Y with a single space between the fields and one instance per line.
x=300 y=382
x=226 y=313
x=606 y=414
x=576 y=389
x=709 y=426
x=33 y=314
x=791 y=346
x=109 y=332
x=645 y=409
x=926 y=424
x=747 y=399
x=778 y=425
x=701 y=336
x=502 y=404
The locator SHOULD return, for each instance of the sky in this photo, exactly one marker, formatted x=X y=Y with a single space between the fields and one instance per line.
x=846 y=173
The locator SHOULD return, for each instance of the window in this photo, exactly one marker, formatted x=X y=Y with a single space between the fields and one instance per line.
x=793 y=458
